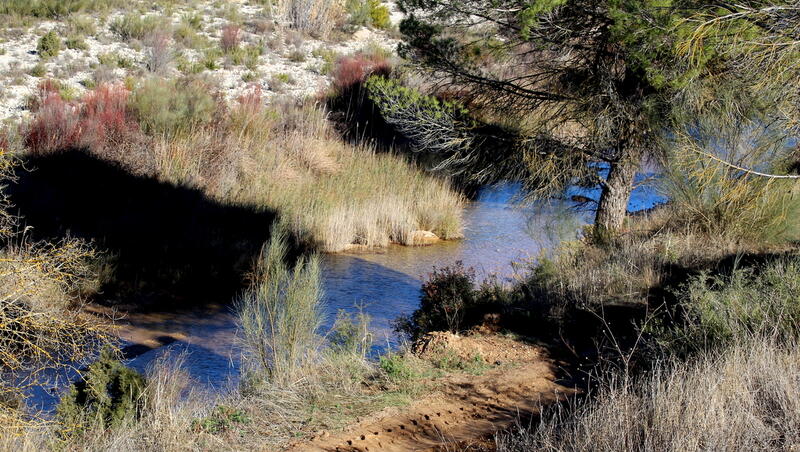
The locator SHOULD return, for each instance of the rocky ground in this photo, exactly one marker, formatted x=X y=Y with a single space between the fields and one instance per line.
x=288 y=62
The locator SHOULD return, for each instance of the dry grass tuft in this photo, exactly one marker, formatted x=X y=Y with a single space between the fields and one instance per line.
x=741 y=399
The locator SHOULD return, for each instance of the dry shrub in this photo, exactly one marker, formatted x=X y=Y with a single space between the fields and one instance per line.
x=742 y=399
x=158 y=51
x=351 y=71
x=231 y=38
x=43 y=331
x=717 y=200
x=315 y=17
x=43 y=334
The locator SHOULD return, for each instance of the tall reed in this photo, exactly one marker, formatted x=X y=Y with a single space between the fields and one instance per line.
x=280 y=315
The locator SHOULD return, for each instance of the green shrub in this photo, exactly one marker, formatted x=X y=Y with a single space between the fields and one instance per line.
x=38 y=71
x=378 y=14
x=172 y=107
x=280 y=315
x=447 y=295
x=350 y=334
x=396 y=367
x=49 y=45
x=757 y=301
x=368 y=13
x=222 y=419
x=76 y=43
x=54 y=9
x=108 y=394
x=134 y=26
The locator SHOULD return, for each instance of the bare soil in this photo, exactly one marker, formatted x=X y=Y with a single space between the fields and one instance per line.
x=466 y=409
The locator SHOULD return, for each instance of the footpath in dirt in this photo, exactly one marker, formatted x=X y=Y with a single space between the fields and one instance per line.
x=465 y=409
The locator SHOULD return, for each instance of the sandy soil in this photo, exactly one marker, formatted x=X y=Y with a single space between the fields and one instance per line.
x=464 y=411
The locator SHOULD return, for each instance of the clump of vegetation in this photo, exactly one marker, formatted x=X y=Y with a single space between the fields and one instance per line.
x=99 y=119
x=681 y=406
x=172 y=107
x=222 y=419
x=315 y=17
x=728 y=309
x=49 y=45
x=54 y=9
x=370 y=13
x=76 y=43
x=231 y=38
x=109 y=393
x=280 y=314
x=447 y=295
x=39 y=70
x=159 y=52
x=135 y=26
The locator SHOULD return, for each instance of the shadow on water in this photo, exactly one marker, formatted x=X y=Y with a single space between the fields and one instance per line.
x=168 y=245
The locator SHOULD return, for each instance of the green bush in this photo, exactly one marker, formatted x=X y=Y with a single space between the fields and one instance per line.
x=396 y=368
x=378 y=14
x=447 y=295
x=49 y=45
x=108 y=394
x=172 y=107
x=222 y=419
x=350 y=334
x=368 y=13
x=54 y=9
x=76 y=43
x=280 y=314
x=38 y=71
x=134 y=26
x=757 y=301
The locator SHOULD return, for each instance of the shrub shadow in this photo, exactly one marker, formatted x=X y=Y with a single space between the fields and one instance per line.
x=167 y=245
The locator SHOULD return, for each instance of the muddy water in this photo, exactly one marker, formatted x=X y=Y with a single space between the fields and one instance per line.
x=499 y=237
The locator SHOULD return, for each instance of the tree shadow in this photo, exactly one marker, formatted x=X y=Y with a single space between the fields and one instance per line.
x=166 y=244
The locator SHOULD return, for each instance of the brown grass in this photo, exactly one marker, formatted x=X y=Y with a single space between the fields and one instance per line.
x=285 y=157
x=742 y=399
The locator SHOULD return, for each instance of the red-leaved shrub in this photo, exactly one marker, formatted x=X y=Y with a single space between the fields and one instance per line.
x=351 y=71
x=105 y=118
x=252 y=101
x=55 y=127
x=100 y=119
x=230 y=38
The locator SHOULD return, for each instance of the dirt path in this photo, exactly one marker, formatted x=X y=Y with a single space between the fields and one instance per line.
x=467 y=408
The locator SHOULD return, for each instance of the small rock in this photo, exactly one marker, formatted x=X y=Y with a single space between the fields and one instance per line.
x=421 y=237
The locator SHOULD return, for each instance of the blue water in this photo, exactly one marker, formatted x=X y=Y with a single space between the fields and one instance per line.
x=500 y=238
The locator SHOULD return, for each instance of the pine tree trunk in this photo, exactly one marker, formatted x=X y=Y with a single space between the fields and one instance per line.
x=613 y=205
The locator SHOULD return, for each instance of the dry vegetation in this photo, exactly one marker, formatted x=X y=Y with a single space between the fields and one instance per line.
x=44 y=335
x=741 y=399
x=284 y=157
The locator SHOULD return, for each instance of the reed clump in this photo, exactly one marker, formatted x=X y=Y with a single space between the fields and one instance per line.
x=284 y=157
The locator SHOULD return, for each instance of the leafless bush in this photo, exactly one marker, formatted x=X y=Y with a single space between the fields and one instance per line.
x=316 y=17
x=231 y=38
x=159 y=52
